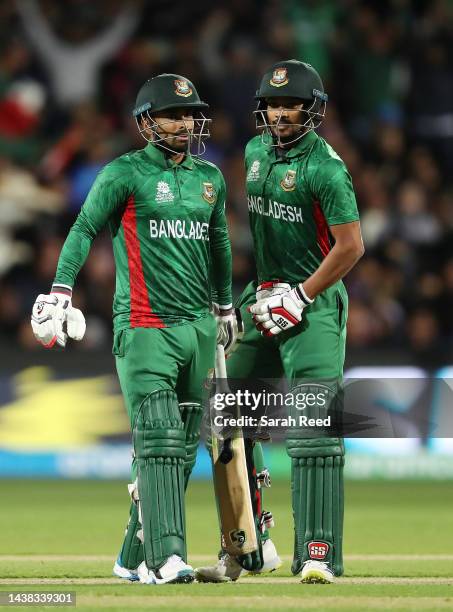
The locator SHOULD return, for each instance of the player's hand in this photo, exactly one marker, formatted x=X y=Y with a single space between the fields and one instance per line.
x=280 y=312
x=54 y=318
x=270 y=288
x=230 y=328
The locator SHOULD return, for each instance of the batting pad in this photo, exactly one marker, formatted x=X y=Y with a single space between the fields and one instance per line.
x=318 y=501
x=160 y=451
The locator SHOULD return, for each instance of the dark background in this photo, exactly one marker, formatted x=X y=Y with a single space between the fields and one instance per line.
x=69 y=74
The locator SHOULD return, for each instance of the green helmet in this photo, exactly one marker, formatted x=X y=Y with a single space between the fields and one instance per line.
x=167 y=91
x=291 y=79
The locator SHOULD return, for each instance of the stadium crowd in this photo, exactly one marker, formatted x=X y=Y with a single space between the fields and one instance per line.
x=69 y=73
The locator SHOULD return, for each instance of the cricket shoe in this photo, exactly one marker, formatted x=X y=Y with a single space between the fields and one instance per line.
x=174 y=571
x=123 y=572
x=271 y=560
x=317 y=572
x=227 y=569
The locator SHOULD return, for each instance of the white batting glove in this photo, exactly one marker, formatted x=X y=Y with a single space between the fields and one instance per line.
x=54 y=318
x=271 y=288
x=230 y=328
x=280 y=312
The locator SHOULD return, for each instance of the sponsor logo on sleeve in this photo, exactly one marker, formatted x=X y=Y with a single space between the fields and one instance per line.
x=279 y=77
x=182 y=88
x=318 y=550
x=209 y=193
x=288 y=183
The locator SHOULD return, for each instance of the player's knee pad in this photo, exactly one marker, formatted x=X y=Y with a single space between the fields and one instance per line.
x=317 y=497
x=191 y=415
x=160 y=451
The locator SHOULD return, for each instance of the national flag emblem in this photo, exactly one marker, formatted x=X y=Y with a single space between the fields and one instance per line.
x=279 y=77
x=209 y=193
x=318 y=550
x=288 y=183
x=182 y=88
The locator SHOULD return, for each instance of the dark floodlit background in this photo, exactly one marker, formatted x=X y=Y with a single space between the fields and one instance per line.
x=69 y=74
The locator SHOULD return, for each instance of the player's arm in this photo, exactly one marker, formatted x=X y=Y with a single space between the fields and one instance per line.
x=229 y=321
x=347 y=250
x=332 y=188
x=50 y=312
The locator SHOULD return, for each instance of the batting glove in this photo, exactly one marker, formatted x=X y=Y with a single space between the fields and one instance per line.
x=271 y=288
x=280 y=312
x=54 y=318
x=230 y=328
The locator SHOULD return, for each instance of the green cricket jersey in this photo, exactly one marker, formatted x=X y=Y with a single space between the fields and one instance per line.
x=292 y=200
x=169 y=232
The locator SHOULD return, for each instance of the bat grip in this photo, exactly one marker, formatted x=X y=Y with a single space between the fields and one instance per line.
x=220 y=365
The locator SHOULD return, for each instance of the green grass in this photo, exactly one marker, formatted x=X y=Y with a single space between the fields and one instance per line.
x=414 y=520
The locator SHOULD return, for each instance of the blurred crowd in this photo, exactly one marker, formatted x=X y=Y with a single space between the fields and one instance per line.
x=69 y=74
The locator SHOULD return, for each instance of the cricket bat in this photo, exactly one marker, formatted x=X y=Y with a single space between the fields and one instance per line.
x=231 y=483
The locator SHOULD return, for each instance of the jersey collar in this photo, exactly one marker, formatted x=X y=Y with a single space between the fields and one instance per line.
x=159 y=159
x=302 y=146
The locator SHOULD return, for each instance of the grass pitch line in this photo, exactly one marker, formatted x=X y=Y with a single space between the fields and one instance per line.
x=205 y=557
x=251 y=602
x=245 y=580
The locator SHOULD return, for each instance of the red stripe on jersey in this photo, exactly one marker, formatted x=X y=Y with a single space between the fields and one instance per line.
x=141 y=311
x=322 y=229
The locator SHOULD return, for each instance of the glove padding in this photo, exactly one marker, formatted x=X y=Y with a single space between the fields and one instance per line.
x=280 y=312
x=54 y=318
x=271 y=288
x=230 y=328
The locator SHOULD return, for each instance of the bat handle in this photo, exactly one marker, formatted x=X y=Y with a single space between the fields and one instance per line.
x=220 y=365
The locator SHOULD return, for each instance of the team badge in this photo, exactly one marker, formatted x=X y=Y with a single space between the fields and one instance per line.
x=318 y=550
x=209 y=193
x=279 y=77
x=182 y=88
x=163 y=192
x=288 y=183
x=254 y=172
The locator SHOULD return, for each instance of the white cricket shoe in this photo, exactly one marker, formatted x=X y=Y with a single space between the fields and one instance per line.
x=317 y=572
x=123 y=572
x=271 y=560
x=174 y=571
x=227 y=569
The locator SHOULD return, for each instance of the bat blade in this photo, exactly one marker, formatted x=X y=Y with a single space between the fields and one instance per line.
x=231 y=485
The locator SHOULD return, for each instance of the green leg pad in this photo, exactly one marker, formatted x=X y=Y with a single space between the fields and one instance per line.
x=132 y=550
x=160 y=452
x=318 y=501
x=191 y=415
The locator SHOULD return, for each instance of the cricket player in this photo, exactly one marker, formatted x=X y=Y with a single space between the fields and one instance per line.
x=165 y=209
x=306 y=233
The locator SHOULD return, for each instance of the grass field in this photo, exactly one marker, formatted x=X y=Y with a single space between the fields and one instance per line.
x=66 y=534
